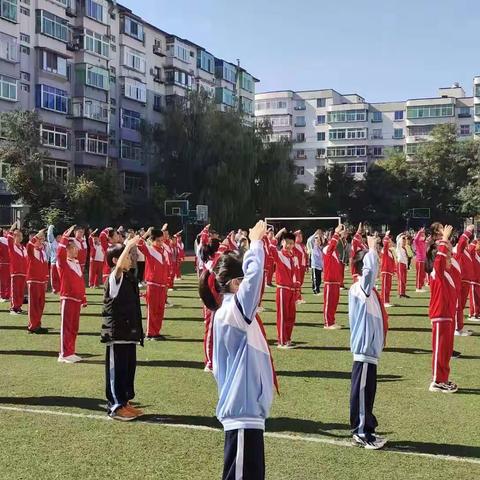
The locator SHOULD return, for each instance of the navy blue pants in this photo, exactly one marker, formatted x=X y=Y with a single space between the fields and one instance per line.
x=316 y=280
x=244 y=455
x=362 y=397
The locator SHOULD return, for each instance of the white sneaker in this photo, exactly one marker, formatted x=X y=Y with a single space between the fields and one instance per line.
x=387 y=305
x=300 y=302
x=260 y=309
x=207 y=369
x=170 y=289
x=463 y=333
x=283 y=347
x=289 y=345
x=420 y=290
x=3 y=300
x=375 y=444
x=76 y=357
x=474 y=319
x=69 y=359
x=335 y=326
x=168 y=305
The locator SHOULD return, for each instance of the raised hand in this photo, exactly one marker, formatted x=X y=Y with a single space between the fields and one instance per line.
x=340 y=228
x=371 y=242
x=69 y=231
x=447 y=231
x=258 y=231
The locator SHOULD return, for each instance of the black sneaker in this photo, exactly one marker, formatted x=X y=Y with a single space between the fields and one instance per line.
x=456 y=354
x=374 y=442
x=39 y=331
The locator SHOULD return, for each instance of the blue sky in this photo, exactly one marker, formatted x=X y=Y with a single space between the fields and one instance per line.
x=381 y=49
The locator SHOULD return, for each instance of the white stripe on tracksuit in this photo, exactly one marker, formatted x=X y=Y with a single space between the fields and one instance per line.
x=239 y=458
x=281 y=316
x=363 y=383
x=112 y=378
x=437 y=337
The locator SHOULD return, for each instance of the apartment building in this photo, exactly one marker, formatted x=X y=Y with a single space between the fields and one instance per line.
x=328 y=128
x=94 y=70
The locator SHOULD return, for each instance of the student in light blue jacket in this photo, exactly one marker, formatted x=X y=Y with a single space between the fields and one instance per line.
x=368 y=329
x=242 y=364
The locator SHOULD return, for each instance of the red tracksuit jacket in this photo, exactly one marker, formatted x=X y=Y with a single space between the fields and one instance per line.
x=156 y=264
x=4 y=255
x=72 y=283
x=82 y=251
x=475 y=262
x=301 y=252
x=37 y=263
x=332 y=266
x=443 y=291
x=18 y=257
x=388 y=260
x=96 y=251
x=287 y=268
x=464 y=258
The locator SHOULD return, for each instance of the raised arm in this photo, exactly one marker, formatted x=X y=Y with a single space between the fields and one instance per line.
x=370 y=268
x=50 y=235
x=464 y=239
x=62 y=247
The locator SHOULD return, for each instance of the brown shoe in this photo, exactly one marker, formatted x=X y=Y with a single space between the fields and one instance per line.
x=134 y=410
x=123 y=414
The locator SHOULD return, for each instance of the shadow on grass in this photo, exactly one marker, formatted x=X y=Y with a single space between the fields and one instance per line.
x=95 y=404
x=333 y=374
x=406 y=350
x=468 y=391
x=40 y=353
x=158 y=363
x=409 y=329
x=464 y=451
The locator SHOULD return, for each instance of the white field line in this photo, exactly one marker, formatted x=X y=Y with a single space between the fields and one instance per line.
x=282 y=436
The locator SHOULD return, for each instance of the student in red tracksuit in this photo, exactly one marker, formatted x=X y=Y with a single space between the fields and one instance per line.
x=387 y=270
x=402 y=265
x=97 y=259
x=168 y=247
x=420 y=245
x=357 y=245
x=18 y=269
x=5 y=284
x=474 y=250
x=271 y=242
x=157 y=271
x=286 y=277
x=332 y=274
x=180 y=255
x=443 y=308
x=81 y=244
x=302 y=255
x=108 y=238
x=463 y=257
x=72 y=296
x=37 y=279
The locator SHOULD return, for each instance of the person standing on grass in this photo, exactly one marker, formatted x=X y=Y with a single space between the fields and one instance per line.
x=108 y=238
x=387 y=270
x=271 y=243
x=316 y=261
x=402 y=265
x=121 y=331
x=180 y=255
x=357 y=245
x=18 y=269
x=53 y=247
x=72 y=296
x=37 y=279
x=420 y=244
x=4 y=269
x=97 y=259
x=474 y=250
x=242 y=360
x=368 y=330
x=302 y=255
x=81 y=244
x=442 y=311
x=332 y=279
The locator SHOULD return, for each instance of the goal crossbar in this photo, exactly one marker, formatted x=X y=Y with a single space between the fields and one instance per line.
x=278 y=219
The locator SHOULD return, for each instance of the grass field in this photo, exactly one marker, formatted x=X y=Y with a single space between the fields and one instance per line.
x=53 y=425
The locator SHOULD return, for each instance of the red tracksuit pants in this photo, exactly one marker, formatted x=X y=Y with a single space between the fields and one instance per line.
x=178 y=269
x=342 y=281
x=208 y=338
x=286 y=312
x=462 y=301
x=475 y=300
x=95 y=273
x=54 y=278
x=331 y=296
x=301 y=279
x=36 y=304
x=5 y=283
x=271 y=271
x=442 y=349
x=70 y=318
x=156 y=298
x=17 y=291
x=386 y=287
x=402 y=278
x=420 y=278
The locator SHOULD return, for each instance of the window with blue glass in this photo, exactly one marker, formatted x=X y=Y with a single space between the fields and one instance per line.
x=399 y=115
x=94 y=10
x=131 y=119
x=51 y=98
x=376 y=116
x=8 y=9
x=321 y=102
x=246 y=82
x=133 y=28
x=464 y=112
x=53 y=26
x=206 y=62
x=398 y=133
x=229 y=73
x=320 y=119
x=320 y=136
x=477 y=128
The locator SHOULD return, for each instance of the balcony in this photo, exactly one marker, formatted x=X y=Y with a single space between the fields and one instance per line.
x=300 y=124
x=300 y=107
x=158 y=50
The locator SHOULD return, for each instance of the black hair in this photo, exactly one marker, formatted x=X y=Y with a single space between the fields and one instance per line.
x=229 y=267
x=114 y=253
x=156 y=233
x=357 y=260
x=288 y=236
x=110 y=232
x=78 y=227
x=209 y=250
x=430 y=258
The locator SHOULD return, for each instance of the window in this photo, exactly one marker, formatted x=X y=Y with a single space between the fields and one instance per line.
x=25 y=76
x=8 y=9
x=321 y=102
x=377 y=133
x=350 y=151
x=464 y=112
x=320 y=119
x=179 y=50
x=350 y=133
x=134 y=184
x=90 y=108
x=206 y=62
x=25 y=11
x=133 y=59
x=353 y=168
x=283 y=121
x=300 y=122
x=281 y=104
x=464 y=129
x=420 y=130
x=321 y=152
x=229 y=72
x=300 y=105
x=26 y=2
x=96 y=43
x=54 y=170
x=133 y=28
x=347 y=116
x=300 y=171
x=53 y=136
x=178 y=77
x=24 y=87
x=320 y=136
x=412 y=148
x=398 y=115
x=131 y=150
x=300 y=154
x=246 y=105
x=377 y=117
x=53 y=26
x=398 y=133
x=246 y=82
x=378 y=151
x=51 y=62
x=135 y=90
x=51 y=98
x=90 y=143
x=8 y=88
x=24 y=38
x=477 y=90
x=226 y=96
x=24 y=49
x=300 y=137
x=96 y=77
x=94 y=10
x=157 y=103
x=477 y=128
x=130 y=119
x=8 y=48
x=430 y=111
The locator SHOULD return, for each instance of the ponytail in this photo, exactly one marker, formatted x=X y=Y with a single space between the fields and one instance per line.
x=430 y=259
x=209 y=290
